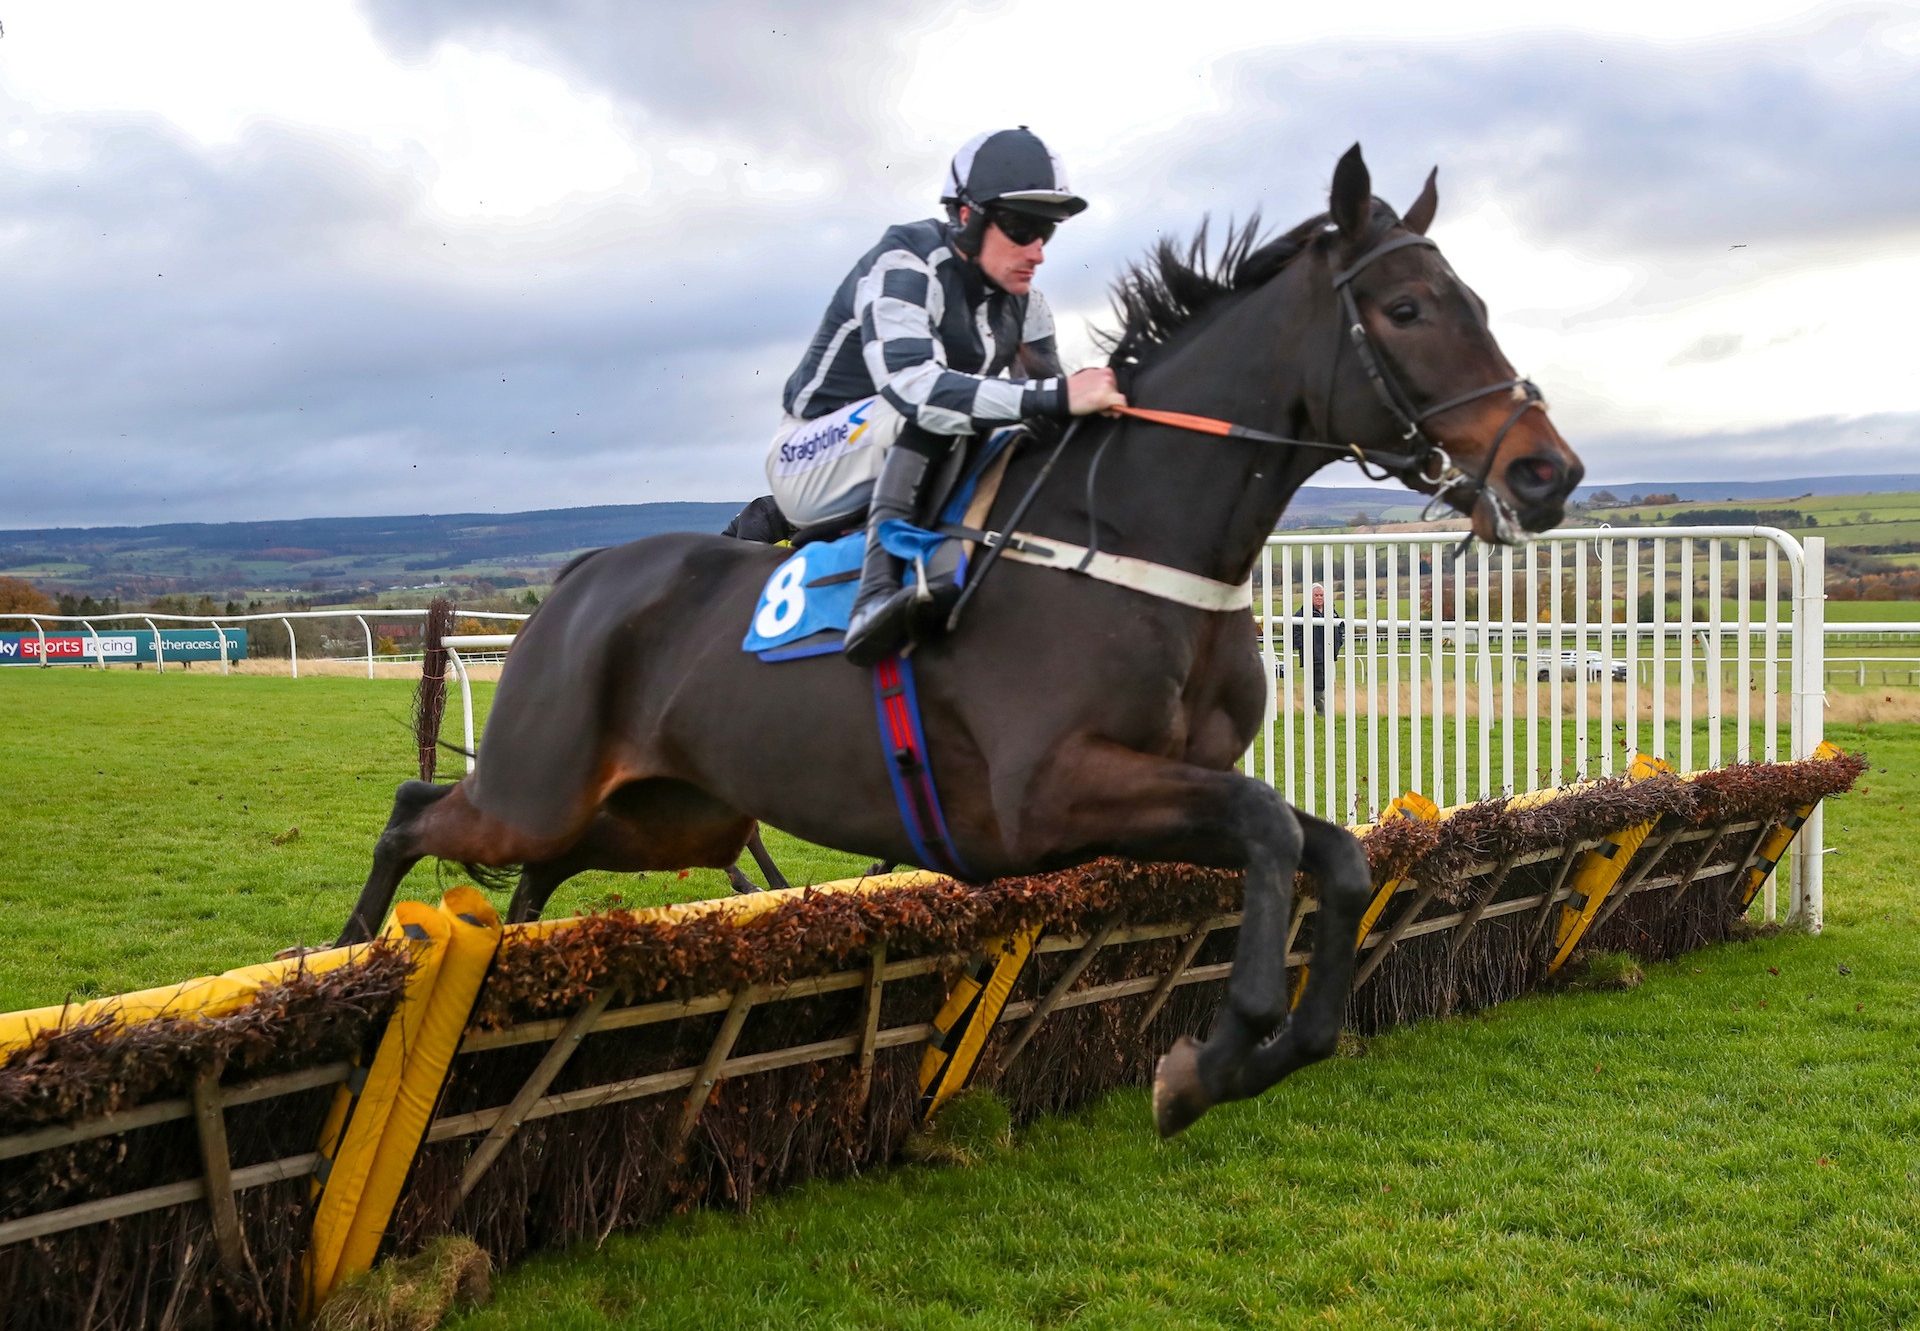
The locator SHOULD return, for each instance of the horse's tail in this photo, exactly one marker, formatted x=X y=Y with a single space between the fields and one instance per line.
x=430 y=695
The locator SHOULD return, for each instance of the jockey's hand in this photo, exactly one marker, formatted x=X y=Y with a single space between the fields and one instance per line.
x=1093 y=390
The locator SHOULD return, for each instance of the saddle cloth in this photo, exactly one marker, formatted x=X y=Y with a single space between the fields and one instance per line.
x=804 y=607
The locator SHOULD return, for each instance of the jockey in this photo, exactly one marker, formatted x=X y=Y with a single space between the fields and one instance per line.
x=913 y=358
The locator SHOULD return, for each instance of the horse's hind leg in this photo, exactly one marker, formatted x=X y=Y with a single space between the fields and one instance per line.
x=776 y=881
x=443 y=821
x=393 y=855
x=771 y=871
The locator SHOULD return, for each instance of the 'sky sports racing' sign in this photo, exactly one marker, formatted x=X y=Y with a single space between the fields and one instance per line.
x=118 y=646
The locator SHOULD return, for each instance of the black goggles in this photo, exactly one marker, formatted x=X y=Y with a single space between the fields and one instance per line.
x=1021 y=228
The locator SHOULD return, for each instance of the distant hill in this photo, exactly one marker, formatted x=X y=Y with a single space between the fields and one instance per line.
x=331 y=560
x=341 y=556
x=1787 y=489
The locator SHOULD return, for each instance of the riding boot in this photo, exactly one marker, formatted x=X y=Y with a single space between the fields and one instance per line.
x=883 y=609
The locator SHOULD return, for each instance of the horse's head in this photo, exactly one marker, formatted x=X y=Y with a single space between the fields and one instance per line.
x=1417 y=362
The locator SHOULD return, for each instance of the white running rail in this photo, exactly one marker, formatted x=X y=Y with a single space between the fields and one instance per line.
x=217 y=622
x=1471 y=675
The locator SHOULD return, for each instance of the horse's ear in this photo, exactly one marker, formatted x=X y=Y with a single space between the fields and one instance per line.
x=1420 y=216
x=1351 y=205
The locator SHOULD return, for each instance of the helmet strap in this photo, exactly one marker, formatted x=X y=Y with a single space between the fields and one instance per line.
x=969 y=236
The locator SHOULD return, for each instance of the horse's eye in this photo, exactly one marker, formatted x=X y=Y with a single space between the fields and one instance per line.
x=1403 y=312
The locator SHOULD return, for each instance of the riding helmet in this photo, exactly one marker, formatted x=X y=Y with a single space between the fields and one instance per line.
x=1011 y=169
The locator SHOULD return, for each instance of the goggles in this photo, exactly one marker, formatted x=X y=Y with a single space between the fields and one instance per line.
x=1021 y=228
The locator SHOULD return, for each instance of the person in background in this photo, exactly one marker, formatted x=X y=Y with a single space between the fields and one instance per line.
x=1325 y=642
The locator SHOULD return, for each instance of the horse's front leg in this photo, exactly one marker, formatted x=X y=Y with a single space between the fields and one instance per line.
x=1334 y=857
x=1127 y=803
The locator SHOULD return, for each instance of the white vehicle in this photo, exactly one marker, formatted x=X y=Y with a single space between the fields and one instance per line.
x=1571 y=665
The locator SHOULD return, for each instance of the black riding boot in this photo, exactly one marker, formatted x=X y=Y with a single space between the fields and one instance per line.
x=883 y=609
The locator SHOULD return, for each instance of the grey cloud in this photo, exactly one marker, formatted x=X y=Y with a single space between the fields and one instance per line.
x=320 y=344
x=1707 y=349
x=272 y=324
x=820 y=77
x=1609 y=144
x=1823 y=445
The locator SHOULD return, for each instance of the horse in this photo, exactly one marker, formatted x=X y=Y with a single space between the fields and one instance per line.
x=1068 y=717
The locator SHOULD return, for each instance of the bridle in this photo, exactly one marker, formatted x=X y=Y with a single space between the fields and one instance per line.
x=1448 y=478
x=1427 y=461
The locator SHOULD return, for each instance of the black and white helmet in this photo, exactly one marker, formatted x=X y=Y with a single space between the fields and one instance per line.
x=1013 y=169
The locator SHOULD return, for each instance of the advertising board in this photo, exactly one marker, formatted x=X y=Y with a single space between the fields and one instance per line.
x=119 y=646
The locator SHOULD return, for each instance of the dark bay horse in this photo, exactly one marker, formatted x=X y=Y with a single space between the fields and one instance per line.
x=1068 y=718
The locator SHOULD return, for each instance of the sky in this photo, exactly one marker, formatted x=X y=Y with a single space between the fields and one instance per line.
x=428 y=256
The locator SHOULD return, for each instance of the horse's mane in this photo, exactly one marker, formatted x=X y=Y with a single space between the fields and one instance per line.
x=1164 y=292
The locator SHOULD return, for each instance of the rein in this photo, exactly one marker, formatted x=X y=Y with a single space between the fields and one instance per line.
x=1388 y=463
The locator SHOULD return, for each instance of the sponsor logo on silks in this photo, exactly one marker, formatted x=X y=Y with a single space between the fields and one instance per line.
x=810 y=448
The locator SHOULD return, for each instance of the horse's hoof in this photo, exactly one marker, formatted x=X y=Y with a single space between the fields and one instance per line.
x=1178 y=1096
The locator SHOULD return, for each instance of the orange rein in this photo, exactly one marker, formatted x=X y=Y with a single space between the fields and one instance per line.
x=1178 y=419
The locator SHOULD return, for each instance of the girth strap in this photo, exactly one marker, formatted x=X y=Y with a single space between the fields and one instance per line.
x=909 y=769
x=1140 y=575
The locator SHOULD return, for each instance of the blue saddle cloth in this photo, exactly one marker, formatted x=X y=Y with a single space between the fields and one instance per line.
x=804 y=607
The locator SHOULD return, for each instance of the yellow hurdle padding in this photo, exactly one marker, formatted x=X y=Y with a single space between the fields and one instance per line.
x=358 y=1120
x=1410 y=805
x=967 y=1018
x=474 y=936
x=1599 y=869
x=207 y=996
x=1775 y=846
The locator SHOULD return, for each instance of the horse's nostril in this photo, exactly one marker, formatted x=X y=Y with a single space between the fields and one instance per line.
x=1535 y=477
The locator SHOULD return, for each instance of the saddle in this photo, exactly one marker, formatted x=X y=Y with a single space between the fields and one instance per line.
x=940 y=488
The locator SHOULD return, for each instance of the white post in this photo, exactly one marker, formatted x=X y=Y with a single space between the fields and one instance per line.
x=159 y=650
x=1809 y=725
x=41 y=629
x=369 y=632
x=99 y=652
x=293 y=650
x=223 y=644
x=466 y=706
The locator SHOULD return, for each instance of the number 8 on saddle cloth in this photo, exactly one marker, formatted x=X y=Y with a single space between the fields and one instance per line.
x=804 y=607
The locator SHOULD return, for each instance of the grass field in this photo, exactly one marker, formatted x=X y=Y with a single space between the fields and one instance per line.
x=1730 y=1144
x=1845 y=520
x=148 y=820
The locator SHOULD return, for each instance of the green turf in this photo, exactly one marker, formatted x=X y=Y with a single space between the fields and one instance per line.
x=142 y=810
x=1732 y=1143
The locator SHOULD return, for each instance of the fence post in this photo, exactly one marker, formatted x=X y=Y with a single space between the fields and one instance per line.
x=293 y=650
x=1809 y=725
x=369 y=632
x=159 y=650
x=41 y=629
